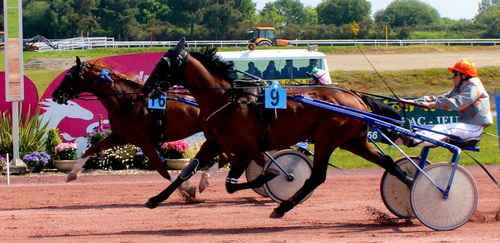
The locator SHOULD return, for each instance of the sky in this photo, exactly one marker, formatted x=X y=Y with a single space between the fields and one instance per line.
x=453 y=9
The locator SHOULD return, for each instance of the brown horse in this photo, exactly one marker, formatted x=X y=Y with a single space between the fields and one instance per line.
x=129 y=118
x=234 y=123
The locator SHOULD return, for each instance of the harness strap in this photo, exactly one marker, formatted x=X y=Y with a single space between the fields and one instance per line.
x=218 y=110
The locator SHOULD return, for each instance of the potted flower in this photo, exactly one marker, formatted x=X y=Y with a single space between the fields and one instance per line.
x=36 y=161
x=98 y=133
x=65 y=155
x=174 y=152
x=3 y=162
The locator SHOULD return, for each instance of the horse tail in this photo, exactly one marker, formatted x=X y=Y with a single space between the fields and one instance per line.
x=383 y=109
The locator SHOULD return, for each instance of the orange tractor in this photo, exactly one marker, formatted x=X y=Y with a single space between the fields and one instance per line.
x=265 y=36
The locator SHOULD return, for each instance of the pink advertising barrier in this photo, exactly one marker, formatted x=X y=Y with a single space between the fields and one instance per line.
x=79 y=117
x=30 y=101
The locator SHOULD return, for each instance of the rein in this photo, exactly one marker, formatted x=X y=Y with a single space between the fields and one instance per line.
x=81 y=97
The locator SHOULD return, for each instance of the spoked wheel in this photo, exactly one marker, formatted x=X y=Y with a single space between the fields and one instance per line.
x=297 y=165
x=429 y=204
x=395 y=194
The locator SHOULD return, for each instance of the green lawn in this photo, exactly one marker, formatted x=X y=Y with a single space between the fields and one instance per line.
x=488 y=155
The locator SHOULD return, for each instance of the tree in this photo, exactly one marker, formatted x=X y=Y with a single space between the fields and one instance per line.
x=402 y=13
x=341 y=12
x=487 y=20
x=117 y=17
x=187 y=13
x=284 y=12
x=223 y=18
x=83 y=16
x=36 y=15
x=484 y=5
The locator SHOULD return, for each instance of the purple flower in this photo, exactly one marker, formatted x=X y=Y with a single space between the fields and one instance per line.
x=36 y=159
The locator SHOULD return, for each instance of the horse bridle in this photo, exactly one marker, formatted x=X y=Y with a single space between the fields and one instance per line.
x=68 y=92
x=75 y=78
x=161 y=83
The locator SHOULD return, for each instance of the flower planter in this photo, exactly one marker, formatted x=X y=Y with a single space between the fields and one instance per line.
x=177 y=164
x=65 y=165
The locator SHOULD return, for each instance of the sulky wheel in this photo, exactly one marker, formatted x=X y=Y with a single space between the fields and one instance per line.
x=432 y=208
x=396 y=194
x=253 y=171
x=297 y=165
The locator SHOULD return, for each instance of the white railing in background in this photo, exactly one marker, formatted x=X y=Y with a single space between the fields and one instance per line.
x=94 y=42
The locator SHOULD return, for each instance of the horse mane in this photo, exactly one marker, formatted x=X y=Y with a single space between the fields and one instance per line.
x=126 y=79
x=214 y=63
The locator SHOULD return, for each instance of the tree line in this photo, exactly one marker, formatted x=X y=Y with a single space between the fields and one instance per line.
x=231 y=19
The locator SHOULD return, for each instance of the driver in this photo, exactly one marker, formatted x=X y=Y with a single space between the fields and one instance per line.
x=468 y=96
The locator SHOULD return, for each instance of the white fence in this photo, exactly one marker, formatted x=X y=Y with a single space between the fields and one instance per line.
x=93 y=42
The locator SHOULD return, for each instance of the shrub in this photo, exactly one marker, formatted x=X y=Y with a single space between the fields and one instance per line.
x=31 y=133
x=51 y=141
x=117 y=158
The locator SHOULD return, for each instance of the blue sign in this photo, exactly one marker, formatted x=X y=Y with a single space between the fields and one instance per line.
x=275 y=96
x=159 y=102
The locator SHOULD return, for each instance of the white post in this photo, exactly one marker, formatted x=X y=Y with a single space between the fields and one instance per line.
x=8 y=170
x=14 y=73
x=16 y=161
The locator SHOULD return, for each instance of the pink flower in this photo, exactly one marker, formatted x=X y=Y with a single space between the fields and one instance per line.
x=65 y=147
x=179 y=145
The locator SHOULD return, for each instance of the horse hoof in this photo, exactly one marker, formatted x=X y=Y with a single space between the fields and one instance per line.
x=192 y=192
x=189 y=195
x=71 y=177
x=276 y=215
x=149 y=204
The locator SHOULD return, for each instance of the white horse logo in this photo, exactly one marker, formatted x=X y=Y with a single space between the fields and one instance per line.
x=55 y=113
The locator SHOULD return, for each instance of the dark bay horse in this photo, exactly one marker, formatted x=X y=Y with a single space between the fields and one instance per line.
x=234 y=124
x=128 y=115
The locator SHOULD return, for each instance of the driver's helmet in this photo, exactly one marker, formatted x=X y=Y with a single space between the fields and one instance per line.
x=319 y=76
x=465 y=67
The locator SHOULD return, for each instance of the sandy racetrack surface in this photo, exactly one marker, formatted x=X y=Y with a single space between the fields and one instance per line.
x=108 y=208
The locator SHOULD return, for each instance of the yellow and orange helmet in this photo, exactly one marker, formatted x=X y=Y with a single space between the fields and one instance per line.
x=465 y=67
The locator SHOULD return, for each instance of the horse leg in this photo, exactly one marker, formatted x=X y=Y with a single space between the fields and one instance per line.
x=205 y=177
x=208 y=150
x=109 y=142
x=237 y=168
x=363 y=149
x=186 y=188
x=318 y=176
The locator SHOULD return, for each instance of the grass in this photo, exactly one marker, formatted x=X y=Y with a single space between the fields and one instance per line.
x=488 y=155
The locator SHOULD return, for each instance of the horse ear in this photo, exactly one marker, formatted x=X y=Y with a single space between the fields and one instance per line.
x=78 y=61
x=180 y=45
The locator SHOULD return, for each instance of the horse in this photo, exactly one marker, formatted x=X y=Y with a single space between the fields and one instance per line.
x=129 y=118
x=234 y=124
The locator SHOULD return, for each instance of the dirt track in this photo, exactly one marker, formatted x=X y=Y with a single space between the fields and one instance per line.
x=392 y=62
x=108 y=208
x=348 y=62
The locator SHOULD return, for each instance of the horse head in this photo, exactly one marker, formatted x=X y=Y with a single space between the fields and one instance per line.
x=71 y=85
x=168 y=71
